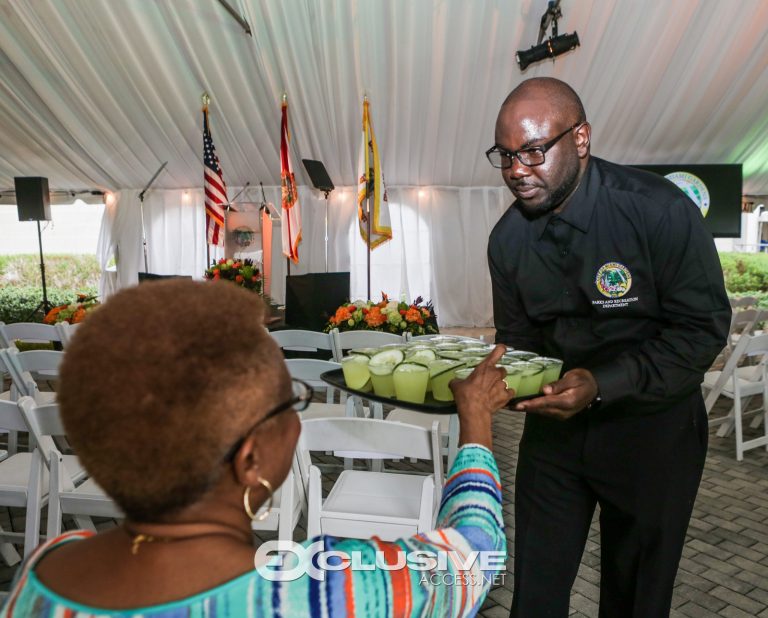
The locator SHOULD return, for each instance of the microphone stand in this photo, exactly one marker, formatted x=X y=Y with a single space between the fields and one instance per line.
x=141 y=201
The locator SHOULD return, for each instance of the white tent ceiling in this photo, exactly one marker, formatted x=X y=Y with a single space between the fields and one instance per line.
x=97 y=93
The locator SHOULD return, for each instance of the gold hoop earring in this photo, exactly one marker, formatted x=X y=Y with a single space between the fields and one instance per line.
x=247 y=500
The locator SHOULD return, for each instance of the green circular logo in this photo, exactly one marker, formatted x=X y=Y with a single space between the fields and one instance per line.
x=693 y=187
x=613 y=280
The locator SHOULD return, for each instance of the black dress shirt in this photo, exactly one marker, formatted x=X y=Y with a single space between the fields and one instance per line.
x=625 y=282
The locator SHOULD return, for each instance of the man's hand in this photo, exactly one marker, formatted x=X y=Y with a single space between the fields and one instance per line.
x=564 y=398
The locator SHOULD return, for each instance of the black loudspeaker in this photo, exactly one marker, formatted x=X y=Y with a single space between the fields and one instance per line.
x=32 y=198
x=311 y=299
x=318 y=175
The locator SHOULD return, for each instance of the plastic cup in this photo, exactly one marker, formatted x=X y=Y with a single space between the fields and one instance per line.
x=448 y=346
x=530 y=381
x=356 y=374
x=520 y=355
x=381 y=379
x=441 y=372
x=463 y=374
x=451 y=354
x=364 y=351
x=410 y=382
x=552 y=368
x=514 y=376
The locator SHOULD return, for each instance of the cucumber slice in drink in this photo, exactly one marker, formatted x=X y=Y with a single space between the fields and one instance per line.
x=390 y=357
x=364 y=351
x=424 y=355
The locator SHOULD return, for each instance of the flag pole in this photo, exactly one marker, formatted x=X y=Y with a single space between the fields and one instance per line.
x=370 y=187
x=287 y=259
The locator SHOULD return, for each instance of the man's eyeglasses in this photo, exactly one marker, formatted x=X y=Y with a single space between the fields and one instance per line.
x=501 y=158
x=302 y=395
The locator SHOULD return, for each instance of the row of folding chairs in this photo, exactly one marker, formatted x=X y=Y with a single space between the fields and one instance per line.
x=44 y=477
x=742 y=379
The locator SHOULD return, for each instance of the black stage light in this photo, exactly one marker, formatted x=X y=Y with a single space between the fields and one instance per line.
x=548 y=49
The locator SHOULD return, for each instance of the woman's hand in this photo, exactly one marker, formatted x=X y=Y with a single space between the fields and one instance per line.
x=479 y=396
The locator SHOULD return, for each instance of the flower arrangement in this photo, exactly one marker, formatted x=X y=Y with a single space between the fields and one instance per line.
x=74 y=312
x=239 y=272
x=388 y=316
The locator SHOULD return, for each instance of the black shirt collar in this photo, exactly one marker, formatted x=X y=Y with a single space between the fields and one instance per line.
x=578 y=212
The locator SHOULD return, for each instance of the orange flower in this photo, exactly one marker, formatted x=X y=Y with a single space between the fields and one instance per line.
x=425 y=313
x=412 y=315
x=78 y=315
x=342 y=315
x=375 y=317
x=50 y=317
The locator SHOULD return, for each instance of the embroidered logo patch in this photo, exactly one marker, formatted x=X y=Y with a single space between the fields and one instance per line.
x=693 y=187
x=613 y=280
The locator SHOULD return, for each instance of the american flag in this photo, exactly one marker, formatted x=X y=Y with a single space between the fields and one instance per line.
x=215 y=189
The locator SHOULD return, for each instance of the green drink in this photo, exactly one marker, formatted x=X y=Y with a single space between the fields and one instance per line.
x=411 y=382
x=364 y=351
x=381 y=367
x=356 y=374
x=451 y=354
x=463 y=374
x=448 y=346
x=381 y=379
x=520 y=355
x=514 y=376
x=552 y=368
x=530 y=381
x=441 y=372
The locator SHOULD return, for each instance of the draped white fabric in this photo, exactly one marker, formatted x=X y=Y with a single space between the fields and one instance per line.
x=448 y=267
x=99 y=92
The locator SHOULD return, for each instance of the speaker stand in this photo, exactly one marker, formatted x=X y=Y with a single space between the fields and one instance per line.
x=43 y=304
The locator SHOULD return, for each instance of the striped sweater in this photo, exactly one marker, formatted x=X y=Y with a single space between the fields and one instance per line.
x=470 y=521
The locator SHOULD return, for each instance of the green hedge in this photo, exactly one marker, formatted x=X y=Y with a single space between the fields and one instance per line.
x=745 y=273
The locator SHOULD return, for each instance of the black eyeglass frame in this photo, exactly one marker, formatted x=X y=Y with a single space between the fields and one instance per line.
x=297 y=402
x=542 y=149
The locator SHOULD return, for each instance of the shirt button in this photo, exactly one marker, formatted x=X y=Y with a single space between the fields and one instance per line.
x=567 y=292
x=564 y=251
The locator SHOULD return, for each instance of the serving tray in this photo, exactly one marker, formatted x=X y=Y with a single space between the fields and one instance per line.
x=335 y=378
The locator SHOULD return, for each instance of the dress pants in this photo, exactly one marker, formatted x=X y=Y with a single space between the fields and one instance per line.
x=643 y=471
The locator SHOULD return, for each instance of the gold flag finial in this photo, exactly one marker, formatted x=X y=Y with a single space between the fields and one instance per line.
x=285 y=97
x=206 y=99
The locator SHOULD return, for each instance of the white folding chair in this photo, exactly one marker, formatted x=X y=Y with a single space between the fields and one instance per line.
x=360 y=339
x=737 y=383
x=24 y=477
x=743 y=302
x=447 y=425
x=69 y=491
x=66 y=332
x=362 y=503
x=30 y=332
x=26 y=368
x=297 y=340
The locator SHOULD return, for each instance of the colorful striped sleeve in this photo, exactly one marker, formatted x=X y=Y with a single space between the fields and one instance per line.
x=445 y=572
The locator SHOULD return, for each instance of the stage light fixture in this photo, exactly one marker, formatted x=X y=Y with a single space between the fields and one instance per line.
x=554 y=45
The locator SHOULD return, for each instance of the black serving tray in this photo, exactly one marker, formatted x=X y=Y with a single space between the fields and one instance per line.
x=335 y=378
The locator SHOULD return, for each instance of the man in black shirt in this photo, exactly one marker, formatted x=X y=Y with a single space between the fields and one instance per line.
x=612 y=270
